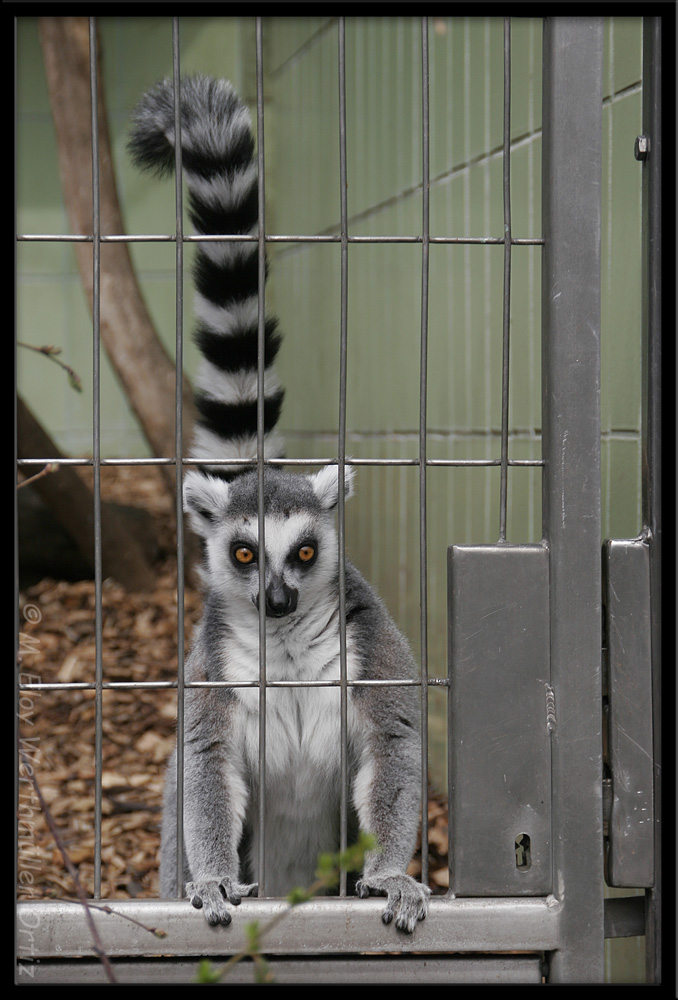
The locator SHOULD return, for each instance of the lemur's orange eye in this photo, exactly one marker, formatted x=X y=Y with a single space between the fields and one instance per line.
x=306 y=553
x=243 y=555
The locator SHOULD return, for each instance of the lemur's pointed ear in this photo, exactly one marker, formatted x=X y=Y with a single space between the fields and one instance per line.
x=205 y=499
x=326 y=485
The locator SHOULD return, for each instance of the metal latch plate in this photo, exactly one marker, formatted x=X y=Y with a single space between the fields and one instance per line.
x=502 y=711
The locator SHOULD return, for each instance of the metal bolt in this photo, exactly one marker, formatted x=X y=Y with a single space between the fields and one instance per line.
x=642 y=147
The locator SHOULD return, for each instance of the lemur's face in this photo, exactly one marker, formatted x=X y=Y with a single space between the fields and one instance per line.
x=301 y=555
x=299 y=537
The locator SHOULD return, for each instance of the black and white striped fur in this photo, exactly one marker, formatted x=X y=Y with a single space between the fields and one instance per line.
x=221 y=748
x=221 y=176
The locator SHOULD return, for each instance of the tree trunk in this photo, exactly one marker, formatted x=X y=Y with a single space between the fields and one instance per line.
x=139 y=358
x=72 y=505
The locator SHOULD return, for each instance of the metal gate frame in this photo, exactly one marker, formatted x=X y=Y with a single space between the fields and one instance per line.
x=557 y=933
x=652 y=448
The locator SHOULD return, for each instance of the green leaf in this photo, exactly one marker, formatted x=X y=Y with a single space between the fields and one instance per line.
x=253 y=934
x=205 y=973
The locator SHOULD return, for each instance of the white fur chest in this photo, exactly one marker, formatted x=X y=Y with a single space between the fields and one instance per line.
x=302 y=723
x=302 y=647
x=303 y=745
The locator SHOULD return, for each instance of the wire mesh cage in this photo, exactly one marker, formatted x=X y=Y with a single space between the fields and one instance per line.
x=408 y=277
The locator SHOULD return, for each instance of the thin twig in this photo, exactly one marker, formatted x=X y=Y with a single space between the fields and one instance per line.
x=105 y=908
x=51 y=353
x=49 y=468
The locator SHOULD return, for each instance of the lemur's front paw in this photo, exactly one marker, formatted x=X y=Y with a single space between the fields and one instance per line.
x=407 y=899
x=210 y=896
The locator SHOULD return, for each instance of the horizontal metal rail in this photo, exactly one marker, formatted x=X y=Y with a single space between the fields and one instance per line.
x=328 y=925
x=280 y=238
x=430 y=462
x=163 y=685
x=302 y=969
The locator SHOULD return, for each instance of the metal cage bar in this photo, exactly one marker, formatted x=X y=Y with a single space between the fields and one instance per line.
x=96 y=452
x=506 y=317
x=278 y=238
x=341 y=450
x=261 y=249
x=179 y=450
x=461 y=463
x=423 y=430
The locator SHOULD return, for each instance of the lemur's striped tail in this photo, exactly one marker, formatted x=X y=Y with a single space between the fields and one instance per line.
x=221 y=175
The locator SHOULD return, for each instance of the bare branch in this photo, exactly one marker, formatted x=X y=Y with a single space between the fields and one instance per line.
x=127 y=331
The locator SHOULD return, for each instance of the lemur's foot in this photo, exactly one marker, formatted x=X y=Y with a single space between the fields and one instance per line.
x=211 y=895
x=407 y=899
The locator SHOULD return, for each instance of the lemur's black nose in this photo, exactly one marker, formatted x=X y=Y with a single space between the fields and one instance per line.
x=281 y=600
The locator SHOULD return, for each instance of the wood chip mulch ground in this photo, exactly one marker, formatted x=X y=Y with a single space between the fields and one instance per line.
x=58 y=728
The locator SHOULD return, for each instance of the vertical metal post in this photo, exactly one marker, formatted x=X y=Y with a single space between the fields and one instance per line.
x=423 y=408
x=96 y=450
x=341 y=450
x=178 y=448
x=506 y=320
x=571 y=219
x=261 y=361
x=652 y=435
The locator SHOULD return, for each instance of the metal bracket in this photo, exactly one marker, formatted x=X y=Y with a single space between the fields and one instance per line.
x=641 y=149
x=629 y=804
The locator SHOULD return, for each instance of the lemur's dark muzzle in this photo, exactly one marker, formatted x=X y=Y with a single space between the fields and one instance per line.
x=281 y=600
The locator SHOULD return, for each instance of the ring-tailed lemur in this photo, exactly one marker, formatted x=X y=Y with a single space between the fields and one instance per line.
x=221 y=751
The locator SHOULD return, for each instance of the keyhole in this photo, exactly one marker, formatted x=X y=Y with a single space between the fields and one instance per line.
x=523 y=856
